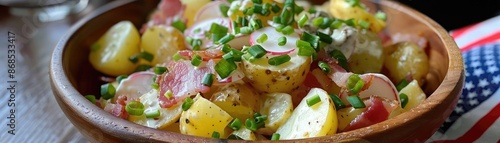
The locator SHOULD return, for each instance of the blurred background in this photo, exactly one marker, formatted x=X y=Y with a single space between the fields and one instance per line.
x=39 y=24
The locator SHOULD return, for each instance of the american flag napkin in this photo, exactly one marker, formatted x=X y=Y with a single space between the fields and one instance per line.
x=476 y=118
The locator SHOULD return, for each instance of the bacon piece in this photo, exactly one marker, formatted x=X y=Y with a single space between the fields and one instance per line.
x=377 y=112
x=183 y=80
x=167 y=11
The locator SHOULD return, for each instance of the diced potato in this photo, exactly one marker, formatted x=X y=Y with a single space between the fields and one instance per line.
x=245 y=134
x=278 y=107
x=203 y=118
x=318 y=120
x=344 y=10
x=238 y=99
x=415 y=96
x=110 y=54
x=406 y=58
x=281 y=78
x=192 y=8
x=368 y=55
x=168 y=116
x=163 y=42
x=346 y=115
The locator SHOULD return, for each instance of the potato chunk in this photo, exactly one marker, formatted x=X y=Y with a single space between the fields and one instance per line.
x=238 y=99
x=168 y=116
x=203 y=118
x=406 y=58
x=278 y=107
x=163 y=42
x=415 y=96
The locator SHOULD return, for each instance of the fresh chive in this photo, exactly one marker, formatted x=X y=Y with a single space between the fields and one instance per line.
x=326 y=23
x=302 y=21
x=324 y=37
x=224 y=68
x=381 y=15
x=246 y=30
x=248 y=11
x=107 y=91
x=208 y=79
x=278 y=60
x=225 y=39
x=311 y=10
x=248 y=57
x=287 y=30
x=196 y=60
x=223 y=9
x=236 y=124
x=260 y=119
x=134 y=108
x=279 y=27
x=216 y=135
x=257 y=1
x=350 y=22
x=339 y=56
x=256 y=24
x=275 y=8
x=91 y=98
x=282 y=41
x=313 y=100
x=338 y=103
x=354 y=3
x=147 y=56
x=336 y=23
x=312 y=39
x=235 y=27
x=402 y=84
x=226 y=48
x=355 y=84
x=218 y=29
x=160 y=70
x=244 y=22
x=287 y=13
x=228 y=56
x=317 y=21
x=363 y=24
x=134 y=58
x=179 y=24
x=142 y=67
x=121 y=77
x=276 y=19
x=155 y=85
x=324 y=67
x=356 y=102
x=275 y=137
x=187 y=103
x=256 y=114
x=305 y=48
x=177 y=56
x=152 y=114
x=168 y=94
x=262 y=38
x=257 y=8
x=251 y=124
x=404 y=99
x=298 y=9
x=257 y=51
x=217 y=37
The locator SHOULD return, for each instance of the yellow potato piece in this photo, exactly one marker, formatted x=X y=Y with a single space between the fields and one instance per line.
x=406 y=58
x=245 y=134
x=110 y=54
x=203 y=118
x=192 y=8
x=415 y=96
x=368 y=56
x=163 y=42
x=168 y=116
x=238 y=99
x=343 y=10
x=346 y=115
x=278 y=107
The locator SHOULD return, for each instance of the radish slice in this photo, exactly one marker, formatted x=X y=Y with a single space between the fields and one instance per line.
x=198 y=30
x=239 y=41
x=378 y=84
x=210 y=11
x=135 y=85
x=235 y=76
x=271 y=44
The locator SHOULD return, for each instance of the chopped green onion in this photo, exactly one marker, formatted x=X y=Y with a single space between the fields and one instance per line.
x=152 y=114
x=121 y=77
x=216 y=37
x=196 y=60
x=363 y=24
x=218 y=29
x=248 y=57
x=142 y=67
x=224 y=68
x=216 y=135
x=244 y=22
x=134 y=58
x=287 y=14
x=223 y=9
x=256 y=24
x=257 y=1
x=260 y=119
x=305 y=48
x=311 y=10
x=187 y=103
x=338 y=103
x=275 y=137
x=236 y=124
x=404 y=99
x=225 y=39
x=208 y=79
x=282 y=41
x=402 y=84
x=146 y=55
x=228 y=56
x=355 y=84
x=179 y=24
x=251 y=124
x=279 y=27
x=107 y=91
x=356 y=102
x=155 y=85
x=350 y=22
x=298 y=9
x=326 y=23
x=257 y=51
x=262 y=38
x=266 y=6
x=160 y=70
x=354 y=3
x=312 y=39
x=278 y=60
x=339 y=56
x=302 y=21
x=324 y=37
x=168 y=94
x=317 y=21
x=275 y=8
x=91 y=98
x=381 y=15
x=134 y=108
x=313 y=100
x=177 y=57
x=336 y=24
x=276 y=19
x=154 y=78
x=287 y=30
x=248 y=11
x=235 y=27
x=226 y=48
x=236 y=55
x=324 y=67
x=246 y=30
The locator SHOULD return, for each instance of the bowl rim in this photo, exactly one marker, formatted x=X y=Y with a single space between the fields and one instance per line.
x=65 y=93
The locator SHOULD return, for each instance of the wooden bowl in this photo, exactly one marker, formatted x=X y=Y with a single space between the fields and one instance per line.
x=72 y=76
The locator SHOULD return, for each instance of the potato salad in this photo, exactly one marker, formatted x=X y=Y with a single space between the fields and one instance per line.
x=259 y=69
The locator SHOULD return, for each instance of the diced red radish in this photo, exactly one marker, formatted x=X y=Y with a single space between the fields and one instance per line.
x=271 y=44
x=375 y=84
x=210 y=11
x=135 y=85
x=198 y=30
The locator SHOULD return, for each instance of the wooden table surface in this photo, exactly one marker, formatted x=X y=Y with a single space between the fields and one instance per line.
x=37 y=116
